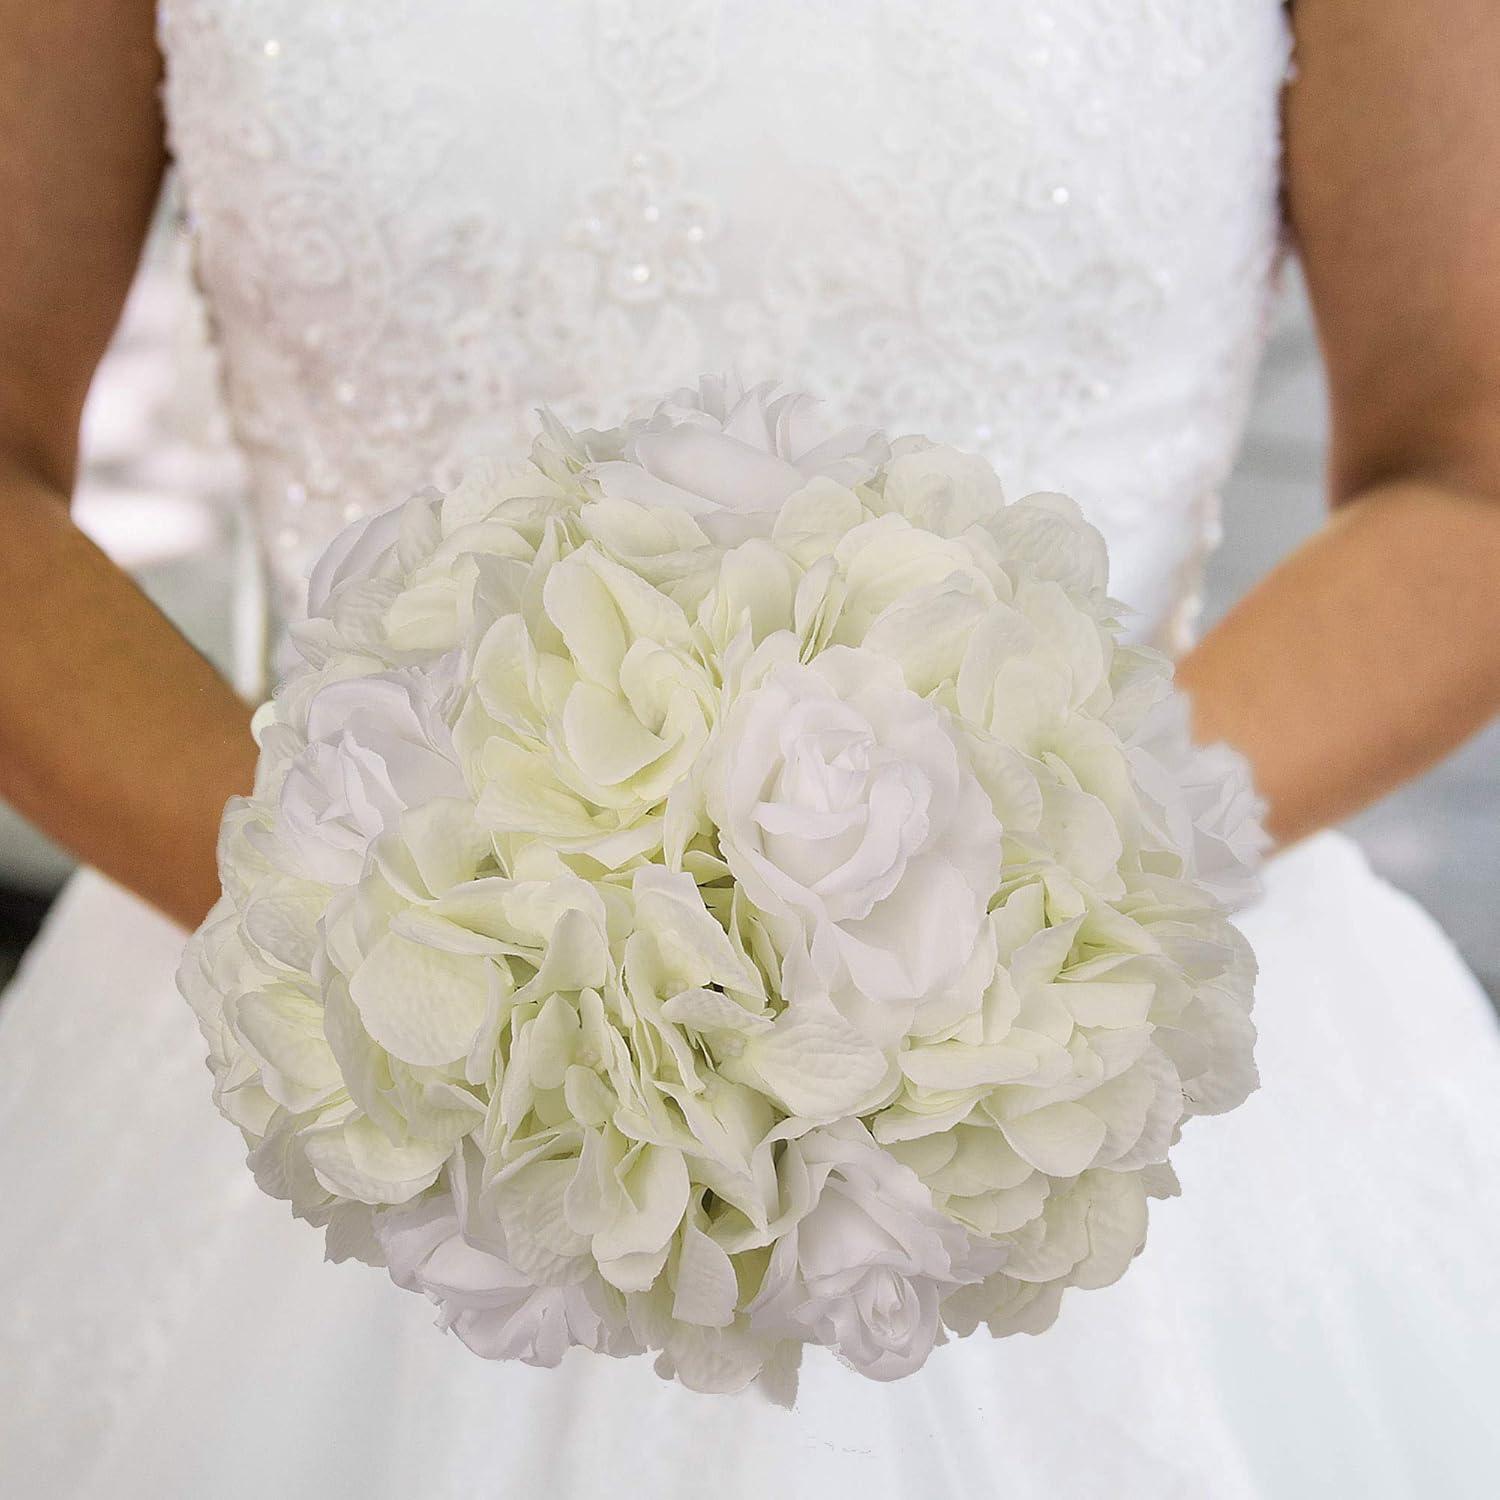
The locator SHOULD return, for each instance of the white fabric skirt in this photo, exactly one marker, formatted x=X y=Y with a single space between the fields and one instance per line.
x=1317 y=1315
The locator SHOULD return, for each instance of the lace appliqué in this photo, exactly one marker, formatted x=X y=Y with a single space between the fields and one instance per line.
x=1041 y=232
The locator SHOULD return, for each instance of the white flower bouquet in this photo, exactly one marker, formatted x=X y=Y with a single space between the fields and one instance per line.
x=718 y=886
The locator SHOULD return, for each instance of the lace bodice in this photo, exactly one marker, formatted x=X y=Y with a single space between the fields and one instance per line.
x=1043 y=232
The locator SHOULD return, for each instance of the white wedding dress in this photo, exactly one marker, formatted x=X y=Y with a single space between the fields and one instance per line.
x=1048 y=232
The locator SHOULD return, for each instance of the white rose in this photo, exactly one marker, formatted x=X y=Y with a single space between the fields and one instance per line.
x=376 y=746
x=847 y=813
x=358 y=552
x=730 y=456
x=864 y=1269
x=404 y=580
x=448 y=1248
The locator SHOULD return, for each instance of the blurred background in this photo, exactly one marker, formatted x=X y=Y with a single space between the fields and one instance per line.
x=159 y=487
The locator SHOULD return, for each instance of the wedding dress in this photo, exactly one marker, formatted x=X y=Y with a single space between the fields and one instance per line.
x=1046 y=232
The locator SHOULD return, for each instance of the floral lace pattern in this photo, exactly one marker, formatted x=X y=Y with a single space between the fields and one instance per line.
x=1045 y=233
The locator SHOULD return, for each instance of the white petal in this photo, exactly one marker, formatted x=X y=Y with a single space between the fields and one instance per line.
x=1059 y=1139
x=815 y=1064
x=706 y=1289
x=422 y=1005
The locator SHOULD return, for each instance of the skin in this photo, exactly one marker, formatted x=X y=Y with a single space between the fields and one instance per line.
x=1364 y=657
x=1372 y=651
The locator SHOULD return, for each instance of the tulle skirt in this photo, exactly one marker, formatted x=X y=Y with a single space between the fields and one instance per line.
x=1317 y=1315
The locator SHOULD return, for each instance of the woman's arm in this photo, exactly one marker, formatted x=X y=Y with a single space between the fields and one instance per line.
x=115 y=735
x=1375 y=649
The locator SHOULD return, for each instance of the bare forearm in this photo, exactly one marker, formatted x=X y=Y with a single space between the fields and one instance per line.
x=1367 y=655
x=116 y=737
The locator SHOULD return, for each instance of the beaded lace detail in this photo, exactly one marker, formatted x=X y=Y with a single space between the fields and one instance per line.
x=1043 y=232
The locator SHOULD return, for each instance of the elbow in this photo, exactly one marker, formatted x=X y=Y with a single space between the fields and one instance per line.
x=1450 y=444
x=32 y=460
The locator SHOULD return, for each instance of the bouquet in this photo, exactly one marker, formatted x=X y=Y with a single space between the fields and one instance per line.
x=720 y=885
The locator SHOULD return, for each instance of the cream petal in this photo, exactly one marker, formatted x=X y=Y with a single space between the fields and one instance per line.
x=653 y=1195
x=285 y=1027
x=606 y=740
x=359 y=1161
x=1059 y=1139
x=711 y=1010
x=954 y=1065
x=421 y=1004
x=705 y=1288
x=815 y=1064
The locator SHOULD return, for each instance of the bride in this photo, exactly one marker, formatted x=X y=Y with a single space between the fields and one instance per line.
x=1048 y=233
